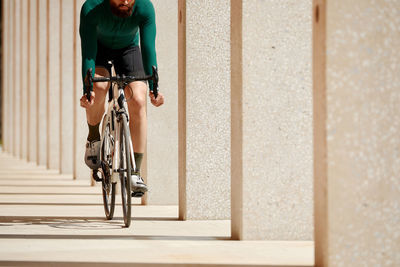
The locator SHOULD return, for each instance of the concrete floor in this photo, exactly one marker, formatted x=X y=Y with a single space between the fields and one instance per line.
x=49 y=219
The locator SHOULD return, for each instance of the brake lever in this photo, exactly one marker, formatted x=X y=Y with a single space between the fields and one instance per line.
x=155 y=82
x=88 y=83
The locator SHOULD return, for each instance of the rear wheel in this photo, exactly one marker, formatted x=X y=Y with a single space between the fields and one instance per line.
x=125 y=170
x=108 y=188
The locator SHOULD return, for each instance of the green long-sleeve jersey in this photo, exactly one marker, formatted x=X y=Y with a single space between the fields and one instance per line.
x=98 y=23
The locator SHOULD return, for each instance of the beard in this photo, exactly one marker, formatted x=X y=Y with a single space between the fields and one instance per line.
x=122 y=11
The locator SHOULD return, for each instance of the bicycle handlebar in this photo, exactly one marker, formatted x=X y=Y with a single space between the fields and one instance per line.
x=89 y=80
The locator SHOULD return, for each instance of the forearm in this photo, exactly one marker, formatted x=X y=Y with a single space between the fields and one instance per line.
x=88 y=34
x=148 y=39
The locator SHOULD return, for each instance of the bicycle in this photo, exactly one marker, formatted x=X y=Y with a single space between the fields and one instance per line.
x=116 y=151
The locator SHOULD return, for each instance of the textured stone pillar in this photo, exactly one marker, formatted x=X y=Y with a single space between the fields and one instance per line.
x=357 y=126
x=5 y=73
x=81 y=171
x=53 y=100
x=204 y=97
x=10 y=96
x=32 y=80
x=271 y=120
x=67 y=86
x=162 y=144
x=42 y=83
x=16 y=78
x=24 y=76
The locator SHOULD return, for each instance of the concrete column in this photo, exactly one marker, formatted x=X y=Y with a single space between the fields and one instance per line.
x=162 y=145
x=42 y=83
x=5 y=72
x=204 y=95
x=81 y=171
x=357 y=125
x=53 y=89
x=10 y=70
x=271 y=120
x=17 y=80
x=10 y=60
x=67 y=86
x=32 y=80
x=24 y=75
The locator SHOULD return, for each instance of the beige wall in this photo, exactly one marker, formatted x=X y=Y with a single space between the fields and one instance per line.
x=162 y=144
x=359 y=133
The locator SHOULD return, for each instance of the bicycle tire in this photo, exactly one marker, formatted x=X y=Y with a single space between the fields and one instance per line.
x=108 y=188
x=125 y=170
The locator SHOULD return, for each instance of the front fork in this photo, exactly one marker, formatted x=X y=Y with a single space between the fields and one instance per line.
x=115 y=175
x=115 y=164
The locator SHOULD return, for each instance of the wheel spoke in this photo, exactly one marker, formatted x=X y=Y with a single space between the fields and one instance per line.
x=108 y=189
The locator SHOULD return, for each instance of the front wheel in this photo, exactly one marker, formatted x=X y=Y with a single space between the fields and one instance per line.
x=108 y=188
x=125 y=170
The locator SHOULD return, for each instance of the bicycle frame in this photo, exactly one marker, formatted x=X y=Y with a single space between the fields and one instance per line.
x=112 y=116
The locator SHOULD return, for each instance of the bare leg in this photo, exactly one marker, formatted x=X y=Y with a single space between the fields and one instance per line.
x=136 y=99
x=95 y=112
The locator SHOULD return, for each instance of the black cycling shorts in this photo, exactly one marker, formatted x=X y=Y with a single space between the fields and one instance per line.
x=126 y=61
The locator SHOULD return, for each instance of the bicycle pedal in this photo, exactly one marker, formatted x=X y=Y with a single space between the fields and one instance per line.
x=137 y=194
x=96 y=176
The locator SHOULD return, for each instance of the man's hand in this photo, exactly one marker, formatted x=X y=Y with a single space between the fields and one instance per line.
x=156 y=102
x=85 y=102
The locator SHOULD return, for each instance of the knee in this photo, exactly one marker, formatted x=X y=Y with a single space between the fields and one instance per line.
x=137 y=103
x=100 y=88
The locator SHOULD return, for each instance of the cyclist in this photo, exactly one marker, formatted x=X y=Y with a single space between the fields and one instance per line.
x=111 y=31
